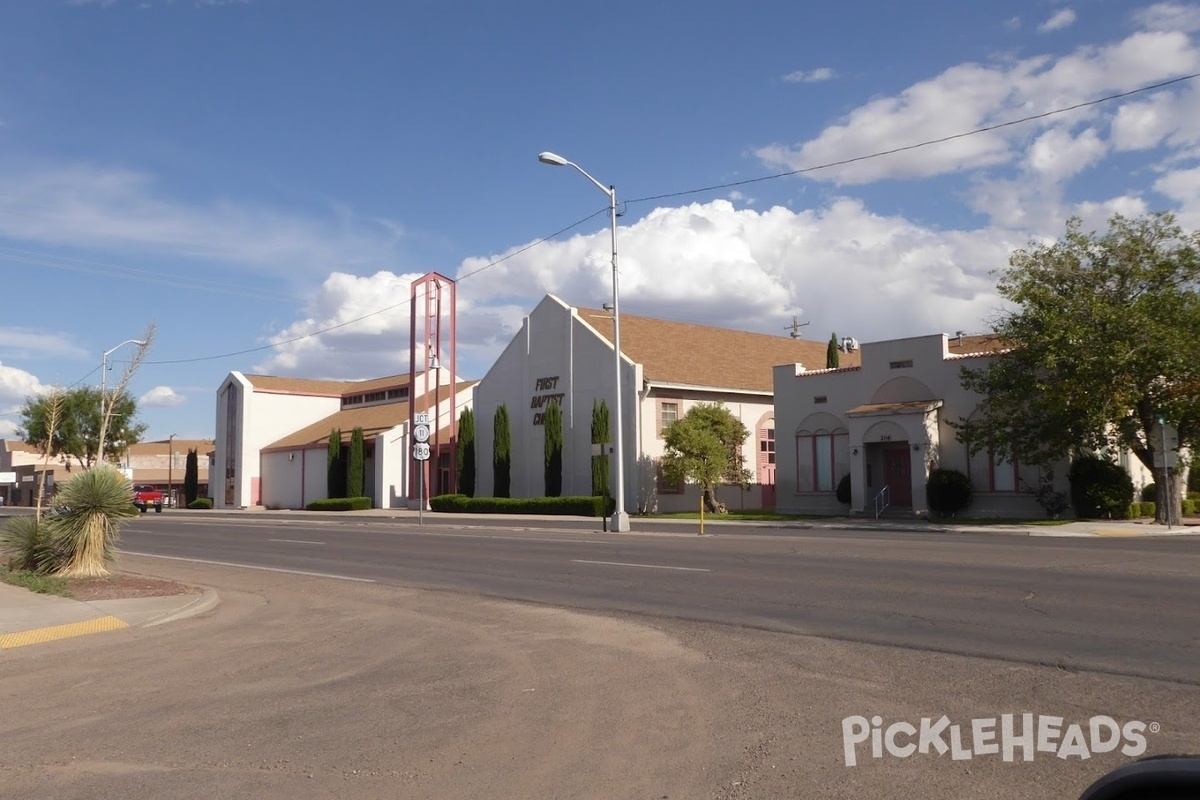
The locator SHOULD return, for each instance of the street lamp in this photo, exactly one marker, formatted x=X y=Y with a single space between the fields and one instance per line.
x=620 y=519
x=103 y=375
x=171 y=470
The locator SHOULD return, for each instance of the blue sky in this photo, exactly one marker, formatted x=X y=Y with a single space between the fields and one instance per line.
x=245 y=173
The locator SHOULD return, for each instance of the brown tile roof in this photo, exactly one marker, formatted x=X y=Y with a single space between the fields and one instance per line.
x=985 y=344
x=164 y=447
x=372 y=419
x=702 y=355
x=901 y=407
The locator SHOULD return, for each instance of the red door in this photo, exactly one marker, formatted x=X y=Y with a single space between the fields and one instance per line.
x=897 y=467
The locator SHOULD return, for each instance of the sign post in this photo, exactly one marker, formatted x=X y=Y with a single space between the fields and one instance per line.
x=1164 y=492
x=420 y=434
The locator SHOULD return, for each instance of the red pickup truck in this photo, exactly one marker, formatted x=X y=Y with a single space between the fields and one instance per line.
x=146 y=496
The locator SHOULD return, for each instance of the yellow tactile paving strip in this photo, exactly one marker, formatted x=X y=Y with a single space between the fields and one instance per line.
x=40 y=635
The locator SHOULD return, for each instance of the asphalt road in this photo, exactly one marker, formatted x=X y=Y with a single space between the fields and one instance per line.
x=1115 y=606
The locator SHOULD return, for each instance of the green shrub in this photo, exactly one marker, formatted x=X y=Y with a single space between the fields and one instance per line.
x=23 y=544
x=83 y=537
x=560 y=506
x=843 y=490
x=339 y=504
x=1141 y=510
x=1100 y=489
x=1150 y=493
x=201 y=502
x=1189 y=507
x=948 y=491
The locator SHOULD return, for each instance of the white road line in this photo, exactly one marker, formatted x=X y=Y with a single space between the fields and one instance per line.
x=294 y=541
x=251 y=566
x=643 y=566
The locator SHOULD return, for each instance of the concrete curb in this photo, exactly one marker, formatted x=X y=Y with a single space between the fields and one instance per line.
x=207 y=601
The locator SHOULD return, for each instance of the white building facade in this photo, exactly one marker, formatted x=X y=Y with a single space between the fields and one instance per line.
x=272 y=437
x=886 y=424
x=564 y=354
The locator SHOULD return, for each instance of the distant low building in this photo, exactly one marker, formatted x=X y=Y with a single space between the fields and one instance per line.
x=161 y=463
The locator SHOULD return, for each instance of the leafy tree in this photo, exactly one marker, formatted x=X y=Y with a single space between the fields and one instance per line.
x=335 y=474
x=704 y=446
x=1105 y=336
x=76 y=432
x=355 y=470
x=832 y=352
x=191 y=477
x=502 y=454
x=466 y=453
x=600 y=436
x=552 y=426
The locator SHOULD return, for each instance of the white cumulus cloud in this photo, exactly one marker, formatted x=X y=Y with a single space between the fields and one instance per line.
x=1063 y=18
x=811 y=76
x=161 y=397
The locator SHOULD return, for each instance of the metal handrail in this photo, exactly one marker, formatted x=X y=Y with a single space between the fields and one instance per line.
x=883 y=497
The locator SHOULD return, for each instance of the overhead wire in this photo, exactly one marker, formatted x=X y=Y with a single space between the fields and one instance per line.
x=684 y=193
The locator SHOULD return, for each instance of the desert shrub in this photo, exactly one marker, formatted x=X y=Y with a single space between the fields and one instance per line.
x=82 y=538
x=23 y=544
x=1100 y=489
x=201 y=502
x=948 y=491
x=339 y=504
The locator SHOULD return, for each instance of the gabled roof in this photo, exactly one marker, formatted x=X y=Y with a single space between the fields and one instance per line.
x=702 y=355
x=373 y=420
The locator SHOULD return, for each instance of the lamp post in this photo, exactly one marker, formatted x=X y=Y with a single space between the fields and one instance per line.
x=620 y=518
x=103 y=375
x=171 y=470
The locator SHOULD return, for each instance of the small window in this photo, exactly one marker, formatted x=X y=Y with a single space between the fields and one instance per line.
x=668 y=412
x=665 y=486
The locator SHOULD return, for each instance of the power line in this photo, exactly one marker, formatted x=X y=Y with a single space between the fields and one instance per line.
x=376 y=312
x=927 y=143
x=714 y=187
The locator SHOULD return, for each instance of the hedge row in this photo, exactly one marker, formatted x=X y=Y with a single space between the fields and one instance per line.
x=201 y=502
x=1145 y=509
x=339 y=504
x=561 y=506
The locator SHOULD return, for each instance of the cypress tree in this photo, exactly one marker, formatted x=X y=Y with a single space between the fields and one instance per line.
x=334 y=473
x=191 y=477
x=502 y=454
x=832 y=352
x=552 y=425
x=355 y=471
x=466 y=453
x=599 y=436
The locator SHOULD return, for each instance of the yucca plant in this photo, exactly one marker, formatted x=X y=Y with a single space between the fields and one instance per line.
x=84 y=535
x=23 y=543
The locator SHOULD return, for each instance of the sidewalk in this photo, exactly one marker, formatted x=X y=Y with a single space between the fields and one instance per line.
x=29 y=618
x=1114 y=528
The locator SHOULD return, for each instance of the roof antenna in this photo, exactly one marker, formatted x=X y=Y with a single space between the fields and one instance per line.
x=795 y=327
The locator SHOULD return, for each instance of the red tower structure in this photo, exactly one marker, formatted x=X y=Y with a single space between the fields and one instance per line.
x=433 y=302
